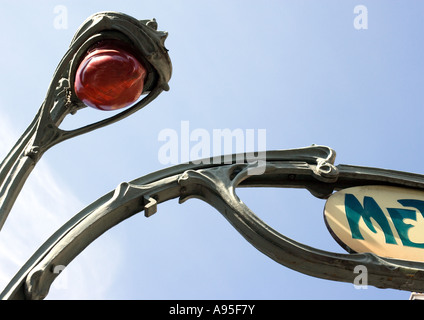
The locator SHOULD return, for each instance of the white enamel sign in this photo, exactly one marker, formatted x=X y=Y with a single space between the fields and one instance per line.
x=387 y=221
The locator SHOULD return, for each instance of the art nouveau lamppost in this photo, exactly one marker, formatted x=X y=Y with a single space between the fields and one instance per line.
x=112 y=61
x=116 y=61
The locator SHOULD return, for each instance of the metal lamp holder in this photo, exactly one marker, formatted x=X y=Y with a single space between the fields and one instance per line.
x=214 y=182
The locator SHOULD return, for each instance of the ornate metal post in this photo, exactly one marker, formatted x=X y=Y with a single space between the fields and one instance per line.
x=61 y=100
x=214 y=182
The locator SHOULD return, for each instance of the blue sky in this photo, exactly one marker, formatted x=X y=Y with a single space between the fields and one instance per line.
x=298 y=69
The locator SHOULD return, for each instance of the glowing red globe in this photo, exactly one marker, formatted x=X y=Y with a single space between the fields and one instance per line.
x=109 y=77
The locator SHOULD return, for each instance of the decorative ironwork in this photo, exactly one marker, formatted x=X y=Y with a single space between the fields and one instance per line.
x=214 y=182
x=44 y=131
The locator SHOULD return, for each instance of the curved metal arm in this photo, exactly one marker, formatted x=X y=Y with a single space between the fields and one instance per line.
x=61 y=100
x=311 y=168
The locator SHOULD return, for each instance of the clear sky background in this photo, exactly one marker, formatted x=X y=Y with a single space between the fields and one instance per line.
x=299 y=69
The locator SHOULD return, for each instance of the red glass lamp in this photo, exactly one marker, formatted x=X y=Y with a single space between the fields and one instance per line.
x=109 y=77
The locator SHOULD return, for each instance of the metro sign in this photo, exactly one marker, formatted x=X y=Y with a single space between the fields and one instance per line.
x=386 y=221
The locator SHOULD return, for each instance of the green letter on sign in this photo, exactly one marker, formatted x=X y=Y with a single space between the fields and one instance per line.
x=402 y=228
x=355 y=211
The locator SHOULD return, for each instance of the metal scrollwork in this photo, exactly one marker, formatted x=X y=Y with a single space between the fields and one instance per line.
x=60 y=101
x=216 y=184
